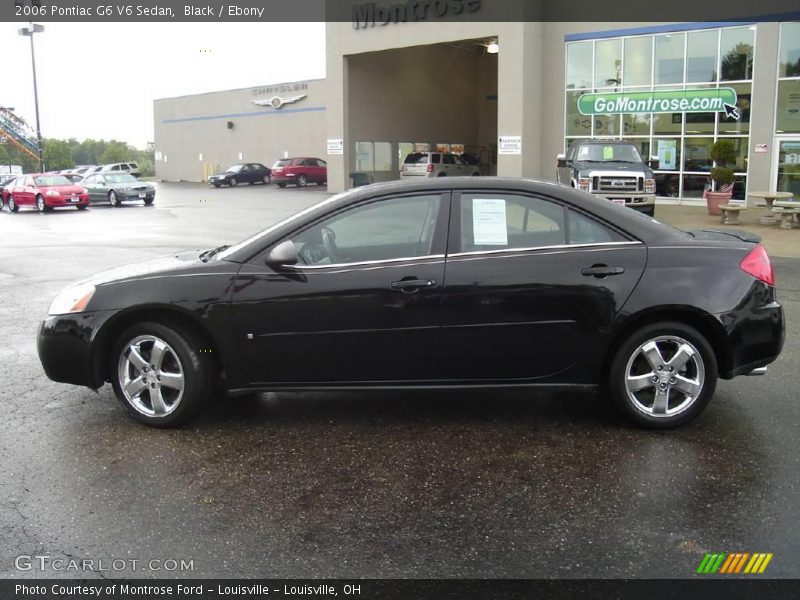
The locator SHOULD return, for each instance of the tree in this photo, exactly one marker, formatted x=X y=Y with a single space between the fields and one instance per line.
x=116 y=152
x=57 y=155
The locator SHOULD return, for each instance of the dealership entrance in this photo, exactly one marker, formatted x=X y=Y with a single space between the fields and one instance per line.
x=439 y=97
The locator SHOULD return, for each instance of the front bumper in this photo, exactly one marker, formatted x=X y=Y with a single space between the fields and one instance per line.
x=637 y=200
x=65 y=345
x=135 y=195
x=58 y=201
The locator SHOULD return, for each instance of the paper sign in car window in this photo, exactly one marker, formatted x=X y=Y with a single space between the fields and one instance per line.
x=489 y=222
x=608 y=152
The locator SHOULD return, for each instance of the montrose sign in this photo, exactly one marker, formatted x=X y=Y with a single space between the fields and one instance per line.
x=666 y=101
x=370 y=14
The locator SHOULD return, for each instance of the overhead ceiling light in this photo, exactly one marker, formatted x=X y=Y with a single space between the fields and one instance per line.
x=493 y=47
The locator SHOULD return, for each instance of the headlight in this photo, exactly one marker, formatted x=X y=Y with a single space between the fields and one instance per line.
x=584 y=184
x=650 y=186
x=72 y=300
x=84 y=191
x=51 y=193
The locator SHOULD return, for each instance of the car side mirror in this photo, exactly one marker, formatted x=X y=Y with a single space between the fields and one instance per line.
x=561 y=161
x=654 y=162
x=284 y=254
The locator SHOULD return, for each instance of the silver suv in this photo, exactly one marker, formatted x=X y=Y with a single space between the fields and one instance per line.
x=127 y=167
x=436 y=164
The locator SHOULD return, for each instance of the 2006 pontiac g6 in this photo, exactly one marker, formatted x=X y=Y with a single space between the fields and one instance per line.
x=453 y=282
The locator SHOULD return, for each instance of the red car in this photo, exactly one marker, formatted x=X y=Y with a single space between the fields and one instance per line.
x=300 y=171
x=44 y=191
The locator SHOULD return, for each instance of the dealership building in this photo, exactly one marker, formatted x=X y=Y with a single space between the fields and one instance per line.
x=512 y=95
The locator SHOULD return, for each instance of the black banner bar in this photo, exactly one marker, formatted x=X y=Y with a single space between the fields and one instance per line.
x=732 y=588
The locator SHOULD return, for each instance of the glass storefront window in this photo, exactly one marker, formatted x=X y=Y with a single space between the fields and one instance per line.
x=638 y=64
x=608 y=64
x=788 y=118
x=365 y=157
x=577 y=124
x=636 y=124
x=700 y=123
x=606 y=125
x=694 y=185
x=668 y=151
x=701 y=59
x=666 y=123
x=731 y=126
x=669 y=58
x=790 y=50
x=668 y=185
x=383 y=156
x=737 y=54
x=579 y=65
x=789 y=166
x=741 y=145
x=697 y=154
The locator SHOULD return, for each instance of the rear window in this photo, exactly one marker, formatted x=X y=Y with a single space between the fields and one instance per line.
x=282 y=163
x=416 y=158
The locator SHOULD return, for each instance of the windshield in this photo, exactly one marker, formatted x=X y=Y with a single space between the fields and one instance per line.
x=234 y=169
x=120 y=178
x=46 y=180
x=262 y=233
x=609 y=152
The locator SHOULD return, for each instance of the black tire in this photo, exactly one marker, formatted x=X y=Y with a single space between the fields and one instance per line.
x=12 y=205
x=216 y=185
x=41 y=205
x=442 y=175
x=149 y=201
x=113 y=199
x=281 y=185
x=265 y=179
x=81 y=207
x=650 y=212
x=197 y=368
x=302 y=180
x=233 y=182
x=701 y=368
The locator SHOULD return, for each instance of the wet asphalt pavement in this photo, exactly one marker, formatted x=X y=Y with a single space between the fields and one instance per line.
x=459 y=484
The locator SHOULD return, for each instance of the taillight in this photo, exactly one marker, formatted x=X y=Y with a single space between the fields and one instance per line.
x=757 y=264
x=430 y=168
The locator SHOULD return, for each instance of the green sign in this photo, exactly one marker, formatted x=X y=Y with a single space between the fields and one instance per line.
x=693 y=101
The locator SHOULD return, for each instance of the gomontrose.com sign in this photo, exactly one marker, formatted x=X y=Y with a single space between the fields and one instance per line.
x=697 y=100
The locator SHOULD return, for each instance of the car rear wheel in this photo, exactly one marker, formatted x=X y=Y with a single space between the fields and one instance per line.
x=113 y=199
x=234 y=182
x=161 y=374
x=12 y=205
x=663 y=375
x=302 y=180
x=215 y=185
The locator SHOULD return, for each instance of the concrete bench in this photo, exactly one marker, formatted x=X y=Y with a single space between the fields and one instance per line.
x=730 y=213
x=787 y=215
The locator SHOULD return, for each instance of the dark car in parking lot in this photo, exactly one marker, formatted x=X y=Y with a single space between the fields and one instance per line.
x=435 y=283
x=116 y=188
x=300 y=171
x=241 y=173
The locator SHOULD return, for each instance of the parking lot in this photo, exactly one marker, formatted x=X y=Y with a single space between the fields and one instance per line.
x=391 y=484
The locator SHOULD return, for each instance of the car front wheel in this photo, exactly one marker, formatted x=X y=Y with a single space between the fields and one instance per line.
x=162 y=375
x=663 y=375
x=41 y=204
x=113 y=199
x=233 y=182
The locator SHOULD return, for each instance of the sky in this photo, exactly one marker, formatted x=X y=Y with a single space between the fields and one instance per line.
x=99 y=80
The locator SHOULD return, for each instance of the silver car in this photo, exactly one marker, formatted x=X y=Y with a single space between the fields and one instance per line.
x=436 y=164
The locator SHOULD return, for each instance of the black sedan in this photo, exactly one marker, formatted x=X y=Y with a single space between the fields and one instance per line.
x=453 y=282
x=116 y=188
x=241 y=173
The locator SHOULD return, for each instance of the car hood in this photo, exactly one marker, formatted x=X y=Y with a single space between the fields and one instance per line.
x=63 y=189
x=130 y=185
x=167 y=265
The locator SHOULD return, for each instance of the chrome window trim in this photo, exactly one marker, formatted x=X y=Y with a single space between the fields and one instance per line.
x=532 y=248
x=365 y=262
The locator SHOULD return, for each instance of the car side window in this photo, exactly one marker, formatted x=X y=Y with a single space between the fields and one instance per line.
x=388 y=229
x=448 y=159
x=502 y=221
x=585 y=230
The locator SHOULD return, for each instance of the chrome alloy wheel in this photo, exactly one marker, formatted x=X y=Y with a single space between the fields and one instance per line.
x=150 y=376
x=664 y=376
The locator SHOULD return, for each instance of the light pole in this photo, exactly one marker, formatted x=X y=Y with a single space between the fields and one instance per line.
x=29 y=31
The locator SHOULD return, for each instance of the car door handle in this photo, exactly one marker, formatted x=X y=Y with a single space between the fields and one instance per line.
x=600 y=271
x=407 y=285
